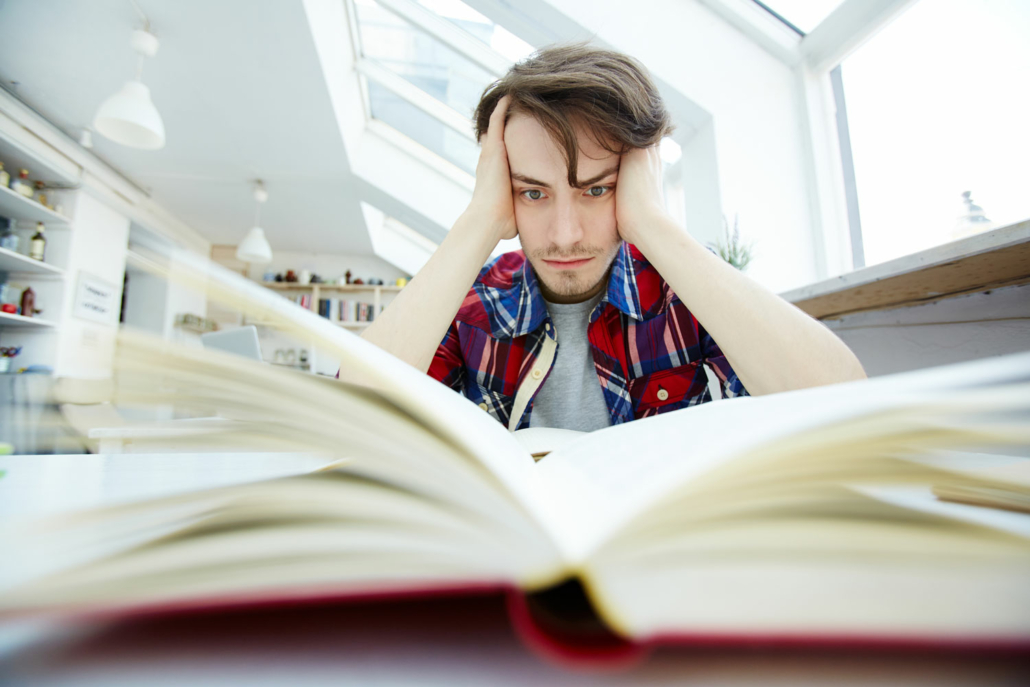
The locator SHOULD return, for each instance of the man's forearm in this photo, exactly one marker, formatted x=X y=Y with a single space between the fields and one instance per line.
x=414 y=324
x=771 y=344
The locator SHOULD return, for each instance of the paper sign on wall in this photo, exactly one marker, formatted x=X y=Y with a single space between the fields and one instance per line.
x=96 y=300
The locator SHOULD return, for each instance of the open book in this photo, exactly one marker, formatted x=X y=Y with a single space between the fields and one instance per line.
x=806 y=516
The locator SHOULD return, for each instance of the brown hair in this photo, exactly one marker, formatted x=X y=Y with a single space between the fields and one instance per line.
x=608 y=93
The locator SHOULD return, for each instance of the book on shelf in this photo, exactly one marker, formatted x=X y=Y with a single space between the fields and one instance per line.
x=807 y=517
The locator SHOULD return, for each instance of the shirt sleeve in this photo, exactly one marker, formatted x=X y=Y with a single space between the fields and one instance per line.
x=448 y=365
x=712 y=356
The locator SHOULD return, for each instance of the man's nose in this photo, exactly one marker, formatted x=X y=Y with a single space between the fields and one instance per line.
x=566 y=227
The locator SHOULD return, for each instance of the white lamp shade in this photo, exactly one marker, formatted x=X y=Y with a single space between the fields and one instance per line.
x=130 y=118
x=255 y=248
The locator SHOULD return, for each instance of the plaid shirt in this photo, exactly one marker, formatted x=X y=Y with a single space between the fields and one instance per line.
x=649 y=351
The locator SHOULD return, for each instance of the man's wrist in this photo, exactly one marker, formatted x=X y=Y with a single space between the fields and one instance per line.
x=651 y=231
x=481 y=227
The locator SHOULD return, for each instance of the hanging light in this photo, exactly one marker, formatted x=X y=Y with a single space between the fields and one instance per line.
x=129 y=117
x=254 y=248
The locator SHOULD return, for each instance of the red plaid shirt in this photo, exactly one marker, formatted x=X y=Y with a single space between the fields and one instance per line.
x=649 y=351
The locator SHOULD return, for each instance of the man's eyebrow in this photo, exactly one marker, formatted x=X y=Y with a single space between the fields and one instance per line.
x=528 y=180
x=594 y=179
x=582 y=184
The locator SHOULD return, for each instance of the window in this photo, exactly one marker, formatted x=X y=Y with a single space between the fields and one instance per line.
x=937 y=110
x=802 y=15
x=422 y=128
x=472 y=22
x=420 y=59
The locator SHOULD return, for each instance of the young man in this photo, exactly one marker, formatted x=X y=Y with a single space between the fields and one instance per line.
x=611 y=310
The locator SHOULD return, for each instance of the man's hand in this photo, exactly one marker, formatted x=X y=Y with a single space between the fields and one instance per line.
x=639 y=194
x=491 y=205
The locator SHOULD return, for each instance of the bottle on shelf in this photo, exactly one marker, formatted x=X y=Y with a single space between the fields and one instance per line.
x=37 y=245
x=21 y=184
x=28 y=302
x=5 y=178
x=41 y=195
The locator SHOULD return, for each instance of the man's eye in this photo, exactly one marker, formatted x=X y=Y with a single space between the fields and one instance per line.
x=597 y=191
x=533 y=194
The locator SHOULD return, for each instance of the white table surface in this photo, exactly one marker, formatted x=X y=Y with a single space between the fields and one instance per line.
x=438 y=642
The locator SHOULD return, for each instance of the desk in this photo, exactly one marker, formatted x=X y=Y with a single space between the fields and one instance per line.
x=165 y=434
x=460 y=641
x=961 y=301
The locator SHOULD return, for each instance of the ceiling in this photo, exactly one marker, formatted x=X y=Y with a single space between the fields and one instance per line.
x=242 y=94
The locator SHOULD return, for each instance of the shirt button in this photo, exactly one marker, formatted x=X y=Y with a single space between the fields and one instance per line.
x=482 y=406
x=538 y=373
x=663 y=395
x=547 y=326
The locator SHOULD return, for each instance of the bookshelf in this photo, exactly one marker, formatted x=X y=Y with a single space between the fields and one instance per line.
x=319 y=291
x=37 y=335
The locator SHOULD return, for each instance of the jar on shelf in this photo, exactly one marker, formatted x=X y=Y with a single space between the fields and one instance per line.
x=8 y=239
x=21 y=185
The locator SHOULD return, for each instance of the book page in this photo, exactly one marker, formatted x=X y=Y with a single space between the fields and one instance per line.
x=608 y=477
x=449 y=414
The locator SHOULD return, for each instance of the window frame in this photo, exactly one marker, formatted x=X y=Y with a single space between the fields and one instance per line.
x=452 y=37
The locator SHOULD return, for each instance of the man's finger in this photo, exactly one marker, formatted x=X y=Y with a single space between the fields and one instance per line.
x=496 y=130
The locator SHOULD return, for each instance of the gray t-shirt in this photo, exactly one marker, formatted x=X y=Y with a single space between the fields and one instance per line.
x=571 y=396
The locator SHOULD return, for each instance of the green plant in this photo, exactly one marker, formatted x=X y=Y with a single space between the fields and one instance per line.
x=731 y=249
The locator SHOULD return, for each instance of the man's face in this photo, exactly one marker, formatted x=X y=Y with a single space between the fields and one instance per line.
x=569 y=234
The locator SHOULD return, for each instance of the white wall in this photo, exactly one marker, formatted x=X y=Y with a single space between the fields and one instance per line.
x=757 y=120
x=98 y=241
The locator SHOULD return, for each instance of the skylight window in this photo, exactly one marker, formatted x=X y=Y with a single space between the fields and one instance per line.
x=420 y=59
x=422 y=127
x=803 y=15
x=472 y=22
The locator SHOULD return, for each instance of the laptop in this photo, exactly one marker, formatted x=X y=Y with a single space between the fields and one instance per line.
x=241 y=341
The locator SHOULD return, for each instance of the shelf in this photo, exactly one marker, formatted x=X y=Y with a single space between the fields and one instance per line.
x=15 y=158
x=10 y=261
x=9 y=320
x=352 y=325
x=345 y=288
x=18 y=207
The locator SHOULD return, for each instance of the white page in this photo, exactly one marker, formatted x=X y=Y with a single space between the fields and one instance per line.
x=459 y=420
x=610 y=475
x=923 y=500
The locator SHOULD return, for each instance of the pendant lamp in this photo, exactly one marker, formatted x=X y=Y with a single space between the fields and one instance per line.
x=254 y=248
x=129 y=116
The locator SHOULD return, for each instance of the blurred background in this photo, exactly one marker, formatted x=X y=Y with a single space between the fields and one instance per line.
x=866 y=159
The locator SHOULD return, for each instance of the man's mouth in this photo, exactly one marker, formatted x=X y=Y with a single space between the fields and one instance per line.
x=567 y=264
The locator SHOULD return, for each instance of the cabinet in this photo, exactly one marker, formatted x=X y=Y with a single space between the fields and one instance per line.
x=36 y=335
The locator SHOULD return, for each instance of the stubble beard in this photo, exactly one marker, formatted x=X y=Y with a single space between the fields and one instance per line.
x=569 y=283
